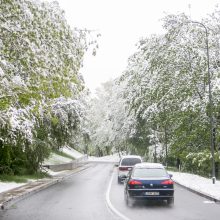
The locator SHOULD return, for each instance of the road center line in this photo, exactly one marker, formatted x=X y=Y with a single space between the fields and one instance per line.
x=107 y=197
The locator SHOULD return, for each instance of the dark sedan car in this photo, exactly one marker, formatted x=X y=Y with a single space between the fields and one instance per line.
x=149 y=181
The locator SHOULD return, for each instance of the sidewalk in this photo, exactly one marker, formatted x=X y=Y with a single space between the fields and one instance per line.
x=13 y=195
x=200 y=185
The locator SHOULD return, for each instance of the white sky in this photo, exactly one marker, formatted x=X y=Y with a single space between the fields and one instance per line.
x=122 y=23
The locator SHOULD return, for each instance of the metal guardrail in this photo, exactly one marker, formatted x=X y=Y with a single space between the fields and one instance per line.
x=68 y=166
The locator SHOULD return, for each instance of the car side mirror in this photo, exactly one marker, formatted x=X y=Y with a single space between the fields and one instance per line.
x=170 y=175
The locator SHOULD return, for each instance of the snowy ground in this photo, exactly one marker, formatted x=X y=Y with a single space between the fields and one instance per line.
x=72 y=152
x=111 y=158
x=52 y=160
x=55 y=159
x=198 y=183
x=4 y=186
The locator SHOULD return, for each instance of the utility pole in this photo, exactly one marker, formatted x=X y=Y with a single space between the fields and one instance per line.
x=210 y=101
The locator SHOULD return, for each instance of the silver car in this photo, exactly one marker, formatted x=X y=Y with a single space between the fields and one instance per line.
x=125 y=164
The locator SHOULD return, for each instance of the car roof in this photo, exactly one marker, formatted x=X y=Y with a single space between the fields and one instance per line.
x=131 y=156
x=149 y=165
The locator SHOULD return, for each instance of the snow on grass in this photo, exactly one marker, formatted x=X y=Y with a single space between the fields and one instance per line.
x=56 y=159
x=71 y=152
x=109 y=158
x=5 y=186
x=200 y=184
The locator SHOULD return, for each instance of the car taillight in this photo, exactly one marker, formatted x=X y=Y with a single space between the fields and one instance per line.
x=134 y=182
x=167 y=182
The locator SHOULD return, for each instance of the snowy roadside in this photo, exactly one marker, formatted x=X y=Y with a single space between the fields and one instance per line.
x=53 y=160
x=56 y=159
x=197 y=183
x=110 y=158
x=72 y=152
x=5 y=186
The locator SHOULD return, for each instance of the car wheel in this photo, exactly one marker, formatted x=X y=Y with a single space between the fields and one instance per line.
x=170 y=201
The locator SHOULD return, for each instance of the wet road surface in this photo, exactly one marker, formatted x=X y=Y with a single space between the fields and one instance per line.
x=84 y=196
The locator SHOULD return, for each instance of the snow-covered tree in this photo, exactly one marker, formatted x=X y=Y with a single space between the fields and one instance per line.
x=111 y=127
x=167 y=85
x=40 y=58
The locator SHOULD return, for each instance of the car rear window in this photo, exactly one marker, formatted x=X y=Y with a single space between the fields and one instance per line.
x=130 y=161
x=149 y=172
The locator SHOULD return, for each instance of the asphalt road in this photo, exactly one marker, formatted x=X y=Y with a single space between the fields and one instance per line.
x=95 y=194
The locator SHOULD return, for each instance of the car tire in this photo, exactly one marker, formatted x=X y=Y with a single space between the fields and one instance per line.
x=170 y=201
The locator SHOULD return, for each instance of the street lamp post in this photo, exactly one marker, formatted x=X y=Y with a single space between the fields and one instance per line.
x=210 y=101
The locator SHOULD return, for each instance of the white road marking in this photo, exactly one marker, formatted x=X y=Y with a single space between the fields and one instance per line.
x=107 y=197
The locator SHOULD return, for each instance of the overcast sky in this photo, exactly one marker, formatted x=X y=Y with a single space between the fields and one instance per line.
x=121 y=24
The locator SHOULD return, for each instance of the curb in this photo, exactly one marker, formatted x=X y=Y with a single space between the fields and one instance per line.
x=34 y=187
x=198 y=192
x=13 y=199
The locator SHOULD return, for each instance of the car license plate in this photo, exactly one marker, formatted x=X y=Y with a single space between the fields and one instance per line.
x=152 y=193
